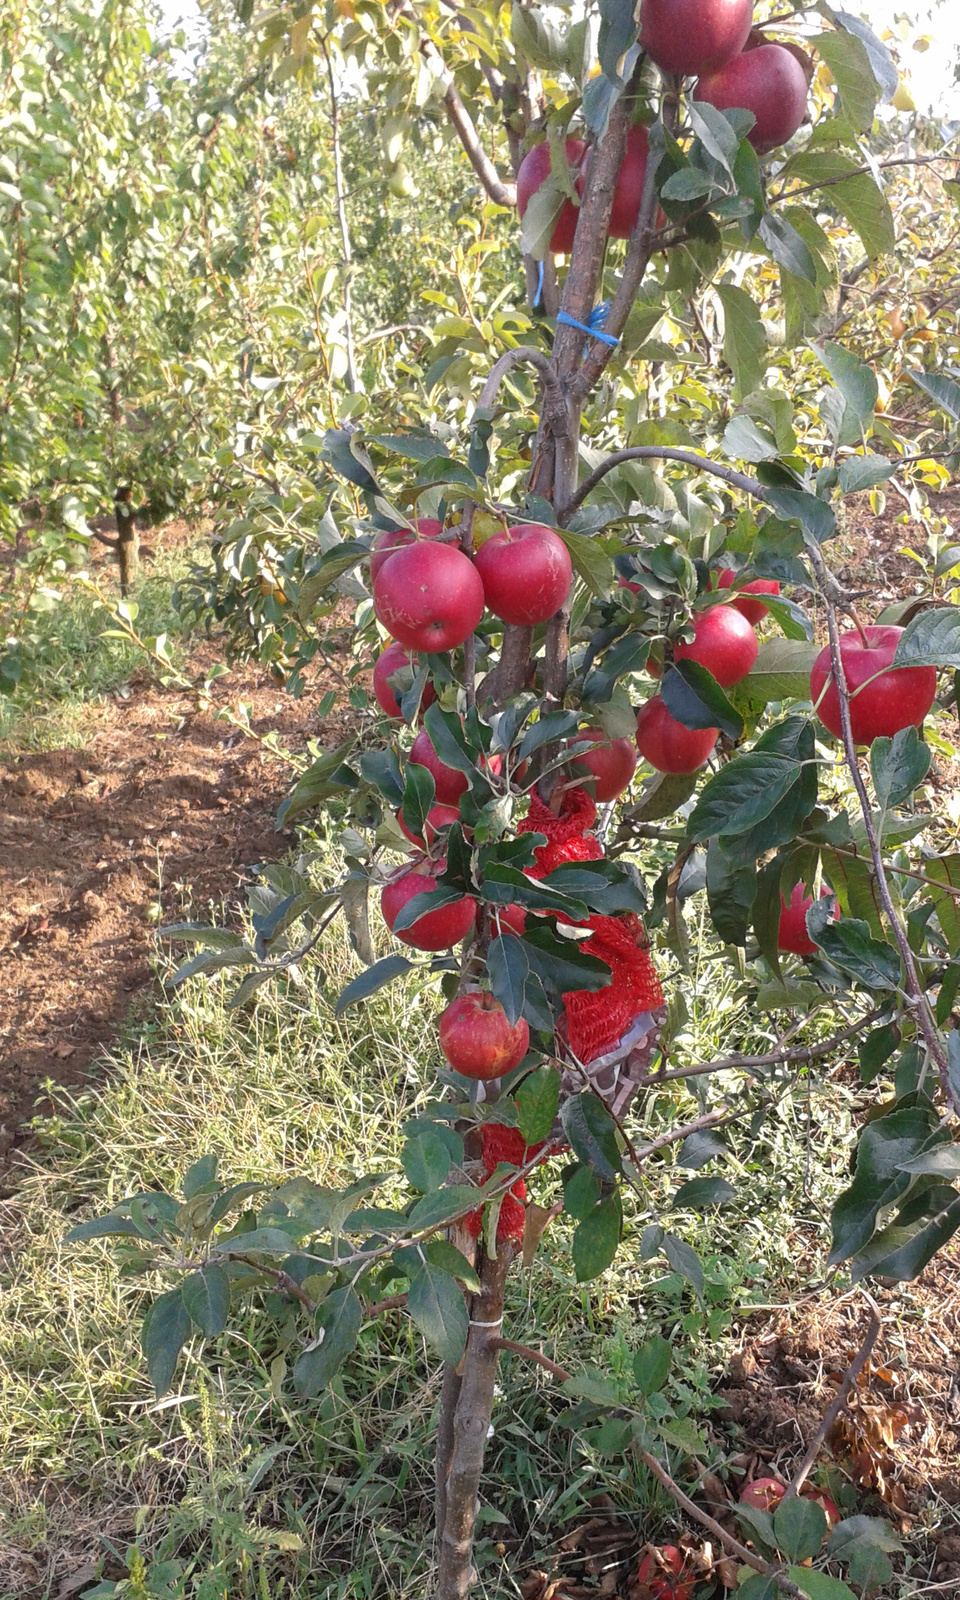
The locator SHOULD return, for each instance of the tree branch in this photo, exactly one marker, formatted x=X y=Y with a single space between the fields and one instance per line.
x=838 y=1403
x=793 y=1054
x=504 y=194
x=545 y=368
x=657 y=452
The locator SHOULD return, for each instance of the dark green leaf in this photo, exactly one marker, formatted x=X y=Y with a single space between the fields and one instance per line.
x=596 y=1238
x=693 y=696
x=206 y=1295
x=442 y=1253
x=731 y=891
x=684 y=1260
x=850 y=946
x=894 y=1254
x=863 y=1543
x=876 y=1049
x=370 y=980
x=382 y=769
x=556 y=725
x=884 y=1146
x=943 y=390
x=897 y=765
x=508 y=969
x=339 y=1321
x=315 y=785
x=931 y=640
x=864 y=472
x=419 y=794
x=421 y=904
x=618 y=31
x=426 y=1159
x=581 y=1192
x=757 y=1587
x=800 y=1527
x=818 y=1585
x=699 y=1193
x=166 y=1329
x=592 y=1133
x=538 y=1100
x=651 y=1364
x=742 y=794
x=199 y=1175
x=436 y=1304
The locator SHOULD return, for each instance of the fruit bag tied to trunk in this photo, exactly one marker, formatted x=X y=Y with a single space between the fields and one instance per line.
x=613 y=1031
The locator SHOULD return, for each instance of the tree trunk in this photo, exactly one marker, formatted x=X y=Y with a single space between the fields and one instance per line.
x=127 y=545
x=458 y=1490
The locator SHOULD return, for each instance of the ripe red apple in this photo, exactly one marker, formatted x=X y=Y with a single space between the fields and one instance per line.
x=612 y=762
x=770 y=82
x=763 y=1494
x=663 y=1575
x=448 y=782
x=723 y=642
x=898 y=699
x=693 y=36
x=389 y=661
x=526 y=573
x=667 y=744
x=438 y=816
x=429 y=596
x=394 y=539
x=513 y=919
x=793 y=936
x=534 y=170
x=477 y=1039
x=435 y=930
x=753 y=610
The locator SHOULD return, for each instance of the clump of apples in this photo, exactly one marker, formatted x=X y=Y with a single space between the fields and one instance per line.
x=723 y=642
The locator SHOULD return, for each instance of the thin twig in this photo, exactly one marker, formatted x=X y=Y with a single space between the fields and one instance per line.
x=794 y=1054
x=843 y=1393
x=655 y=452
x=523 y=353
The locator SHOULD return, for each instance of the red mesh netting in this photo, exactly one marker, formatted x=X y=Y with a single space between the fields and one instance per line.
x=500 y=1143
x=567 y=836
x=598 y=1019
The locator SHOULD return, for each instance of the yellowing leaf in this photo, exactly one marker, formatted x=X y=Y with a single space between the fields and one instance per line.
x=903 y=100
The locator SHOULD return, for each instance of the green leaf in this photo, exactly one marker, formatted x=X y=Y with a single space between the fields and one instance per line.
x=441 y=1204
x=596 y=1238
x=339 y=1321
x=618 y=31
x=106 y=1227
x=819 y=1585
x=426 y=1160
x=897 y=765
x=538 y=1100
x=166 y=1329
x=856 y=380
x=863 y=1543
x=757 y=1587
x=717 y=135
x=684 y=1260
x=853 y=74
x=731 y=891
x=884 y=1146
x=800 y=1527
x=876 y=1049
x=882 y=64
x=852 y=192
x=864 y=472
x=592 y=1133
x=199 y=1175
x=781 y=671
x=931 y=640
x=693 y=696
x=850 y=946
x=556 y=725
x=745 y=441
x=581 y=1192
x=370 y=980
x=744 y=339
x=419 y=794
x=436 y=1304
x=742 y=794
x=206 y=1295
x=787 y=248
x=855 y=885
x=382 y=769
x=590 y=562
x=662 y=796
x=699 y=1193
x=508 y=968
x=315 y=785
x=444 y=1254
x=944 y=391
x=651 y=1364
x=895 y=1254
x=421 y=904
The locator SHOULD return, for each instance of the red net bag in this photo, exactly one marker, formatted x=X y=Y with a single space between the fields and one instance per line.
x=567 y=835
x=500 y=1143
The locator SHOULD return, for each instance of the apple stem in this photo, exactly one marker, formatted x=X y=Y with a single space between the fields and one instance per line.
x=860 y=629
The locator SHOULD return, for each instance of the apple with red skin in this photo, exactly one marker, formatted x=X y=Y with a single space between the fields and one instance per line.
x=428 y=596
x=753 y=610
x=477 y=1039
x=792 y=935
x=526 y=573
x=664 y=1575
x=667 y=744
x=763 y=1494
x=827 y=1505
x=770 y=82
x=435 y=930
x=449 y=784
x=439 y=816
x=723 y=642
x=900 y=698
x=535 y=168
x=694 y=36
x=394 y=539
x=513 y=919
x=628 y=189
x=387 y=663
x=611 y=761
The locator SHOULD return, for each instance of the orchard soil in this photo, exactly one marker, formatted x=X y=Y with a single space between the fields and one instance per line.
x=164 y=814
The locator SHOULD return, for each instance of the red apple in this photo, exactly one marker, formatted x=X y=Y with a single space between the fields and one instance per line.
x=435 y=930
x=667 y=744
x=770 y=82
x=793 y=936
x=897 y=699
x=828 y=1506
x=448 y=782
x=612 y=762
x=693 y=36
x=392 y=660
x=663 y=1575
x=763 y=1494
x=723 y=642
x=753 y=610
x=628 y=191
x=513 y=919
x=535 y=168
x=394 y=539
x=477 y=1039
x=429 y=596
x=439 y=816
x=526 y=573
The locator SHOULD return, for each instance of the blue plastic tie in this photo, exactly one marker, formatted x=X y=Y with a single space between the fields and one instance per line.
x=536 y=298
x=593 y=329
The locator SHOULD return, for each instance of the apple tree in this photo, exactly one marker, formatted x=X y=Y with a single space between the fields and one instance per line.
x=580 y=563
